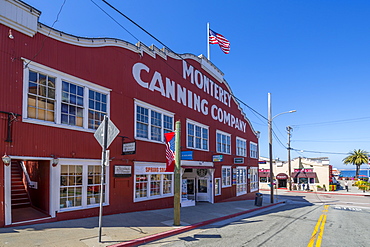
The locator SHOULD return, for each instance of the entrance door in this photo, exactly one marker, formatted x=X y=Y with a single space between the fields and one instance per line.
x=191 y=188
x=203 y=190
x=282 y=183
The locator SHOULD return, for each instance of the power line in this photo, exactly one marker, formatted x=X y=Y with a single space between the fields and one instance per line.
x=329 y=141
x=277 y=138
x=320 y=152
x=136 y=24
x=334 y=122
x=43 y=41
x=132 y=21
x=115 y=21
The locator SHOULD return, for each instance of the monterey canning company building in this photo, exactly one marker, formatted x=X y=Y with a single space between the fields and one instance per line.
x=55 y=90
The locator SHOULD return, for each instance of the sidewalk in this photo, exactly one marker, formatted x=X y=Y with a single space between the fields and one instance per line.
x=128 y=229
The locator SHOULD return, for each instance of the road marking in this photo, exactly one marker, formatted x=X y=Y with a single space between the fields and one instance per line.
x=318 y=231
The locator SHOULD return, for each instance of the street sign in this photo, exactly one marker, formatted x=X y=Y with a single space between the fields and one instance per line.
x=129 y=148
x=238 y=160
x=112 y=133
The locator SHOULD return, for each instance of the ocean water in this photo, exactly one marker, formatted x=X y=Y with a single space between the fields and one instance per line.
x=352 y=173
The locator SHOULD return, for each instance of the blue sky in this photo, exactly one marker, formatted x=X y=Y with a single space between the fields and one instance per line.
x=312 y=56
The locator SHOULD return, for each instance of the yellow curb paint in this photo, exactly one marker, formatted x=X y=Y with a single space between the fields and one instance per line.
x=319 y=225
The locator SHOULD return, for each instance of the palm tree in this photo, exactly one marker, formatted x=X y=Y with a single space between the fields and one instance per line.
x=357 y=158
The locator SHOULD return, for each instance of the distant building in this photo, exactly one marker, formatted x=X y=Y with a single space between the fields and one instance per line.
x=312 y=171
x=55 y=89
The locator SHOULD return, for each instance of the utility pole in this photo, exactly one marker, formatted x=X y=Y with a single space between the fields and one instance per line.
x=289 y=161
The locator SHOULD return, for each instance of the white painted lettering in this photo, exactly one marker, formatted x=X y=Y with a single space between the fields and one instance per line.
x=181 y=95
x=170 y=89
x=187 y=71
x=213 y=112
x=153 y=84
x=136 y=71
x=204 y=105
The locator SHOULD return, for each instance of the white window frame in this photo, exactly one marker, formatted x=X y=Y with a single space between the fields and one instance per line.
x=253 y=150
x=226 y=181
x=202 y=139
x=60 y=76
x=84 y=164
x=158 y=110
x=253 y=172
x=241 y=180
x=227 y=142
x=241 y=147
x=157 y=166
x=218 y=185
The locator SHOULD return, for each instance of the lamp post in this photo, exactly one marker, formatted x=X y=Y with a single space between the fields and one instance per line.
x=270 y=118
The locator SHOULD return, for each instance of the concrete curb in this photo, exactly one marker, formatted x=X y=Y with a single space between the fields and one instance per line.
x=333 y=193
x=325 y=193
x=154 y=237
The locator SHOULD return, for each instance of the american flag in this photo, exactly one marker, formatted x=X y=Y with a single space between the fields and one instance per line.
x=216 y=38
x=170 y=151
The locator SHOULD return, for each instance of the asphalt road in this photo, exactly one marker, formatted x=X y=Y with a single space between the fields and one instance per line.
x=306 y=219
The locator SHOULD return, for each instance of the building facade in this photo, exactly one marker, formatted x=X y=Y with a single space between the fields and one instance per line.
x=55 y=91
x=313 y=173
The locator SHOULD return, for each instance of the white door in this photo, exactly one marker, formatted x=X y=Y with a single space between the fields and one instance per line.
x=203 y=190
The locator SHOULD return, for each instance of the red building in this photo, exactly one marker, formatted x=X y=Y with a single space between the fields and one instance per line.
x=55 y=90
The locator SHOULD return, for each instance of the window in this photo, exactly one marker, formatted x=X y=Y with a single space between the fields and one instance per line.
x=241 y=181
x=151 y=182
x=151 y=122
x=241 y=147
x=197 y=135
x=80 y=185
x=226 y=176
x=218 y=186
x=57 y=99
x=223 y=143
x=264 y=179
x=141 y=186
x=304 y=180
x=97 y=108
x=254 y=150
x=41 y=96
x=253 y=178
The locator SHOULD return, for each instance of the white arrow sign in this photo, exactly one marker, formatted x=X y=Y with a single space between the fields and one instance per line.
x=112 y=133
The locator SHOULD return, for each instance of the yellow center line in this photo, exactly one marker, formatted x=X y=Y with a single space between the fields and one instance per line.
x=320 y=225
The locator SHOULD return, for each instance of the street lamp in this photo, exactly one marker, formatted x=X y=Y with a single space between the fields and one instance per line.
x=270 y=118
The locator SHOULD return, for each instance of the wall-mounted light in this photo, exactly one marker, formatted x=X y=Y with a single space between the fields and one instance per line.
x=54 y=161
x=6 y=159
x=10 y=34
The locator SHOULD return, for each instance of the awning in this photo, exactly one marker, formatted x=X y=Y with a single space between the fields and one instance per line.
x=304 y=174
x=197 y=167
x=264 y=174
x=281 y=176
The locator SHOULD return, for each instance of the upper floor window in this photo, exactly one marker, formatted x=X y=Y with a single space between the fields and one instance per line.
x=152 y=122
x=197 y=135
x=55 y=98
x=241 y=147
x=253 y=150
x=223 y=142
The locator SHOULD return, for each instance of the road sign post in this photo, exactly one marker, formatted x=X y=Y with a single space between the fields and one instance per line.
x=105 y=134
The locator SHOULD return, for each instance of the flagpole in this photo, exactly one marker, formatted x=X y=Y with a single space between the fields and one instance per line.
x=177 y=176
x=208 y=51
